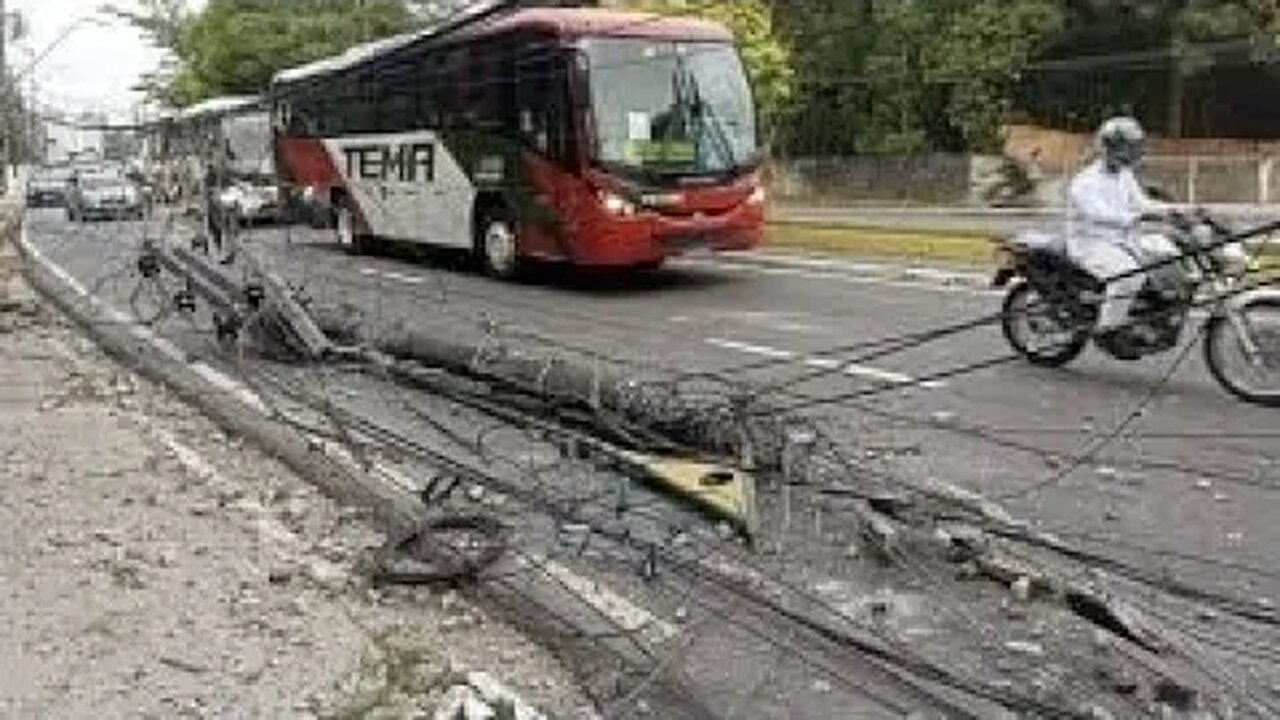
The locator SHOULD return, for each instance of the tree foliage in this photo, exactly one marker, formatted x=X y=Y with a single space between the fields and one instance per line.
x=915 y=75
x=923 y=75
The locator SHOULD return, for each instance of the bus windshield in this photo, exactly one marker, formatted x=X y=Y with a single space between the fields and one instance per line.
x=670 y=109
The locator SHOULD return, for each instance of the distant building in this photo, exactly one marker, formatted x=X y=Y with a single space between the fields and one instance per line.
x=67 y=141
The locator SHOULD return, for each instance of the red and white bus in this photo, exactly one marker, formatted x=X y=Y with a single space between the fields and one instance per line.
x=595 y=137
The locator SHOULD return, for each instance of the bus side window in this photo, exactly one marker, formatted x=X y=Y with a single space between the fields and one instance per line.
x=539 y=102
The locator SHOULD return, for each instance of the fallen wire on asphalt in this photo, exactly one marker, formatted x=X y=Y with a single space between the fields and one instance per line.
x=1090 y=452
x=913 y=665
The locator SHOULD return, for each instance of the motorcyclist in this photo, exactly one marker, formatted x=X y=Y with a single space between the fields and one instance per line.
x=217 y=177
x=1105 y=205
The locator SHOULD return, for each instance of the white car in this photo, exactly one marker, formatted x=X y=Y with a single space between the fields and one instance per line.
x=105 y=197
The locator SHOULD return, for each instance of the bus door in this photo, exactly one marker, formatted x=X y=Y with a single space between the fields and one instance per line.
x=542 y=102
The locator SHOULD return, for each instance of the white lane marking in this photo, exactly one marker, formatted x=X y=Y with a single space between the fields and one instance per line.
x=857 y=370
x=270 y=528
x=824 y=363
x=748 y=348
x=392 y=275
x=618 y=609
x=188 y=457
x=226 y=383
x=403 y=278
x=849 y=278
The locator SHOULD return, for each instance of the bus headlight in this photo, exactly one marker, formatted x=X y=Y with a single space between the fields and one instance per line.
x=758 y=196
x=615 y=204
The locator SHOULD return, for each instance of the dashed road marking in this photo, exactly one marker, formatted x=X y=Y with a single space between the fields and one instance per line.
x=825 y=363
x=852 y=274
x=392 y=275
x=621 y=611
x=750 y=349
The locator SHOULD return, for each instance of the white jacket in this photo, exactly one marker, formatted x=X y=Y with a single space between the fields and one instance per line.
x=1104 y=206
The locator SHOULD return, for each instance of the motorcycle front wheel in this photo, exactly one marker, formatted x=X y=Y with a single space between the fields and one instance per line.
x=1038 y=331
x=1250 y=373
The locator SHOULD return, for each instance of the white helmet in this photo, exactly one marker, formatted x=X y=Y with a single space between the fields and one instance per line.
x=1120 y=140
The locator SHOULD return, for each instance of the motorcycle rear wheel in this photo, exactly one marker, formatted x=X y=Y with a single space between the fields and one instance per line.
x=1036 y=332
x=1229 y=362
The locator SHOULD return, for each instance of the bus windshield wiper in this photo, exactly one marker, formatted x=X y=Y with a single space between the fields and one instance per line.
x=690 y=96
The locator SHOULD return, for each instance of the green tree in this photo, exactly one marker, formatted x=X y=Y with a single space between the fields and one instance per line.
x=906 y=76
x=831 y=42
x=1149 y=57
x=1195 y=22
x=979 y=56
x=764 y=53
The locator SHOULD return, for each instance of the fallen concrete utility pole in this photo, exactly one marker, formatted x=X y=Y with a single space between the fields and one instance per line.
x=281 y=299
x=723 y=491
x=721 y=429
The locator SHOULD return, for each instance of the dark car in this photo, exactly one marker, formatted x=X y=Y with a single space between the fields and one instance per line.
x=103 y=197
x=47 y=189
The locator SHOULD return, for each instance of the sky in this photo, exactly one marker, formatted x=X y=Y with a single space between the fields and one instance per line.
x=93 y=68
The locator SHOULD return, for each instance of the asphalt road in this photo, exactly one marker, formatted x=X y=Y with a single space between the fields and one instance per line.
x=1148 y=461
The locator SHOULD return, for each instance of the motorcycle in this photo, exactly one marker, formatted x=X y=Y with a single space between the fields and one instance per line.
x=1052 y=304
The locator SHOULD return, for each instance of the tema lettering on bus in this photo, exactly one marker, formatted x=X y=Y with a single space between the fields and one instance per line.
x=408 y=162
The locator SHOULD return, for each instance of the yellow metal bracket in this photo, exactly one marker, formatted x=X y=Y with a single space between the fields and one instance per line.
x=723 y=491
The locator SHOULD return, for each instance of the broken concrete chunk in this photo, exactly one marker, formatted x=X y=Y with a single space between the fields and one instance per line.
x=453 y=706
x=496 y=694
x=1021 y=589
x=1090 y=711
x=1176 y=695
x=1022 y=647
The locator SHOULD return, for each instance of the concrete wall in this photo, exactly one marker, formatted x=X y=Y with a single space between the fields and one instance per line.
x=936 y=178
x=1058 y=150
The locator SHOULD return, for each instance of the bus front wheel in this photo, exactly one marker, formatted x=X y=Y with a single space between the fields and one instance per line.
x=497 y=245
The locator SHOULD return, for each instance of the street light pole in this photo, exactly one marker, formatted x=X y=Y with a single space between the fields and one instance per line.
x=4 y=98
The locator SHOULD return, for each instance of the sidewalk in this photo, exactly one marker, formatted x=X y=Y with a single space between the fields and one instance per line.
x=155 y=567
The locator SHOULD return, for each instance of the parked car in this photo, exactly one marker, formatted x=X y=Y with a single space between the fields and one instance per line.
x=47 y=189
x=105 y=196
